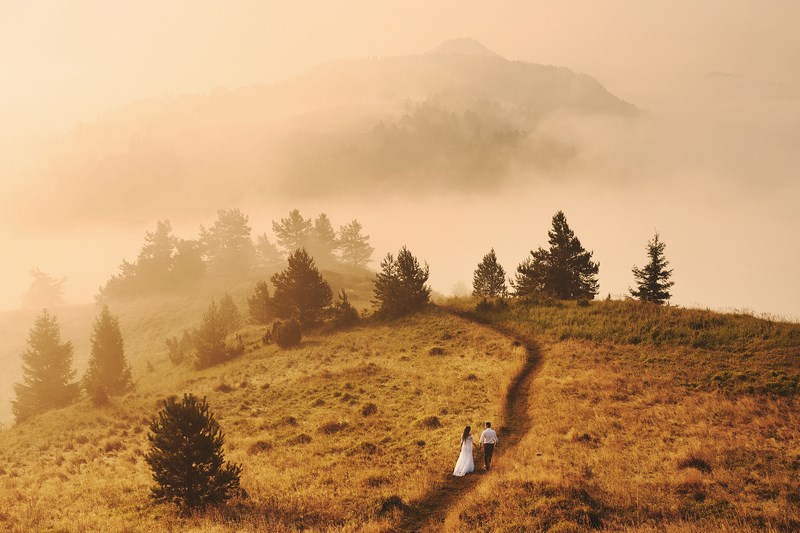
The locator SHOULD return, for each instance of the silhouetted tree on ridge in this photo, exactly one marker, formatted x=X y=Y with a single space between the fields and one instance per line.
x=400 y=286
x=260 y=304
x=565 y=271
x=227 y=245
x=44 y=291
x=652 y=281
x=489 y=279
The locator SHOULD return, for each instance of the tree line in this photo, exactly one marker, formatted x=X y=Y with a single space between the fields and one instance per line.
x=227 y=249
x=565 y=271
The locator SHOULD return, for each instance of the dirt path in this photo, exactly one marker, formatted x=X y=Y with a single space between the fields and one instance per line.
x=429 y=513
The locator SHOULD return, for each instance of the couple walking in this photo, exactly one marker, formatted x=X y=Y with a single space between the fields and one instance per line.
x=465 y=463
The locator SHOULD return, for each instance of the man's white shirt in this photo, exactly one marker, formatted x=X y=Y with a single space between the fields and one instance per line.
x=488 y=436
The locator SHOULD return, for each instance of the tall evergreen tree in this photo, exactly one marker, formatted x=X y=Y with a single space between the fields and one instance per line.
x=260 y=304
x=210 y=345
x=293 y=232
x=652 y=281
x=47 y=373
x=400 y=286
x=354 y=246
x=187 y=265
x=300 y=290
x=230 y=314
x=154 y=263
x=267 y=254
x=108 y=370
x=186 y=456
x=323 y=241
x=489 y=279
x=564 y=271
x=227 y=245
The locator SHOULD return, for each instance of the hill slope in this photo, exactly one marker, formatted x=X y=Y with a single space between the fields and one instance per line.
x=444 y=120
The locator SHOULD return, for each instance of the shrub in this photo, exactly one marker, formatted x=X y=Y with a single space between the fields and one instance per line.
x=286 y=334
x=186 y=456
x=259 y=446
x=431 y=422
x=330 y=428
x=369 y=409
x=344 y=314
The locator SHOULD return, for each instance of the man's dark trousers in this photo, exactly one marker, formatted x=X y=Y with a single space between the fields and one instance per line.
x=488 y=450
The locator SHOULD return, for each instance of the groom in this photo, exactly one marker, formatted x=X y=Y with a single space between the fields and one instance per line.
x=488 y=440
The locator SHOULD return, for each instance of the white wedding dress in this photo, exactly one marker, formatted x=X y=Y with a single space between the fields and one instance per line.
x=465 y=464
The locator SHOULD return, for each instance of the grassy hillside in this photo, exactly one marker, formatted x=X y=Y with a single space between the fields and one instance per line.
x=340 y=433
x=145 y=322
x=649 y=419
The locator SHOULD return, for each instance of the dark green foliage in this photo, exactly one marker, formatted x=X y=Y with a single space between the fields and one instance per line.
x=489 y=279
x=230 y=314
x=354 y=247
x=300 y=290
x=293 y=233
x=652 y=281
x=186 y=456
x=286 y=334
x=400 y=285
x=260 y=304
x=344 y=314
x=45 y=291
x=227 y=245
x=267 y=254
x=565 y=271
x=210 y=346
x=108 y=369
x=323 y=241
x=47 y=381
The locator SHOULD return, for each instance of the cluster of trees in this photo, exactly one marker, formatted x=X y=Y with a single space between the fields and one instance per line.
x=226 y=249
x=565 y=271
x=49 y=378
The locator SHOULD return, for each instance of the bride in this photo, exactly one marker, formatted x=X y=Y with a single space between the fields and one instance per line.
x=465 y=464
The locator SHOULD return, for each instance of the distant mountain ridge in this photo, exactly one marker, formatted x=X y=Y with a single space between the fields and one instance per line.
x=460 y=117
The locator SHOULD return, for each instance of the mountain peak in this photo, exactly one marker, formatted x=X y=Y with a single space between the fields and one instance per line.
x=464 y=46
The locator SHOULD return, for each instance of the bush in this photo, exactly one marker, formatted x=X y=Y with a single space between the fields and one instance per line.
x=186 y=456
x=369 y=409
x=344 y=314
x=286 y=334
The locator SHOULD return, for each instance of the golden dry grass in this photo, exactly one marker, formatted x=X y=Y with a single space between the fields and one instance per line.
x=339 y=434
x=646 y=436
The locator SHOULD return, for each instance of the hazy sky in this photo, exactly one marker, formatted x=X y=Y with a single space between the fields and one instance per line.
x=64 y=62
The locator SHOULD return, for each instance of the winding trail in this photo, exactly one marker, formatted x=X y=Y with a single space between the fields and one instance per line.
x=429 y=513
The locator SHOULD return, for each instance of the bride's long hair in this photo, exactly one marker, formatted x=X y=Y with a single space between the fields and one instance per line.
x=466 y=433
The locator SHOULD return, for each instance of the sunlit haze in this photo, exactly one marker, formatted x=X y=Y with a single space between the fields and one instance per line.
x=710 y=162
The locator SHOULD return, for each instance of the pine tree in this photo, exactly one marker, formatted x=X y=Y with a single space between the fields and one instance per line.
x=260 y=304
x=267 y=254
x=186 y=456
x=300 y=290
x=44 y=291
x=353 y=246
x=108 y=370
x=294 y=232
x=564 y=271
x=400 y=285
x=489 y=279
x=227 y=245
x=154 y=263
x=47 y=381
x=210 y=338
x=323 y=241
x=652 y=281
x=230 y=314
